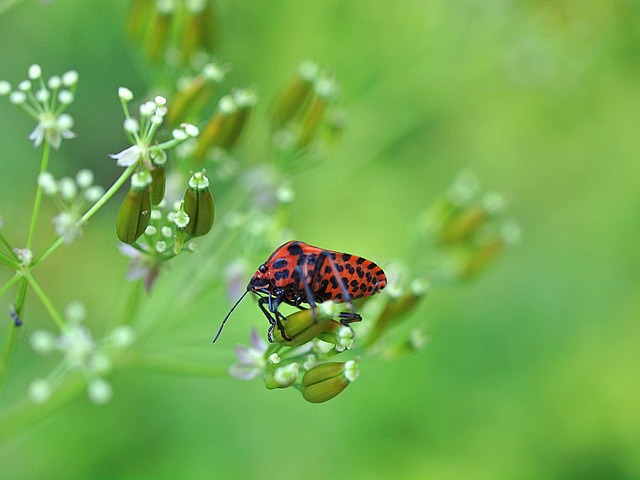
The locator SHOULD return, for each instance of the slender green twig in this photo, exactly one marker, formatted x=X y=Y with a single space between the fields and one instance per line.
x=57 y=317
x=7 y=352
x=10 y=262
x=38 y=201
x=132 y=302
x=10 y=342
x=5 y=243
x=9 y=283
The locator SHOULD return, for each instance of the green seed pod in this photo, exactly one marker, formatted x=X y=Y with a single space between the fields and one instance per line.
x=137 y=18
x=198 y=205
x=199 y=30
x=294 y=95
x=133 y=216
x=325 y=94
x=327 y=380
x=301 y=327
x=158 y=184
x=463 y=225
x=396 y=308
x=235 y=123
x=160 y=32
x=214 y=130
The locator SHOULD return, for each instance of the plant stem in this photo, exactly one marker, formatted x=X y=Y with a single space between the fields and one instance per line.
x=9 y=284
x=5 y=243
x=36 y=204
x=88 y=214
x=47 y=303
x=9 y=262
x=132 y=302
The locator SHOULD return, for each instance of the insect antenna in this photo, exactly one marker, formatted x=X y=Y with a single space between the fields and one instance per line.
x=228 y=314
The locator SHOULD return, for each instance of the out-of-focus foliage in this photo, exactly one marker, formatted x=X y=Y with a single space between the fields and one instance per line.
x=532 y=368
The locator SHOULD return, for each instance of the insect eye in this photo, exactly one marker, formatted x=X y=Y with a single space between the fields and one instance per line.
x=262 y=268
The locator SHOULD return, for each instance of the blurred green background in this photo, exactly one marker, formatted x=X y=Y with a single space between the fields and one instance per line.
x=532 y=370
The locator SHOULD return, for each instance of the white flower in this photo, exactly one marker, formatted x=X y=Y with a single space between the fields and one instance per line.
x=251 y=361
x=52 y=129
x=128 y=156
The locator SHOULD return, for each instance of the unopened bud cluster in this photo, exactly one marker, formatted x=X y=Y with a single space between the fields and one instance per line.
x=223 y=130
x=46 y=101
x=304 y=342
x=158 y=230
x=173 y=32
x=304 y=114
x=468 y=228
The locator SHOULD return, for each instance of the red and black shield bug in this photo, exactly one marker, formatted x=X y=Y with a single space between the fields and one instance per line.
x=297 y=273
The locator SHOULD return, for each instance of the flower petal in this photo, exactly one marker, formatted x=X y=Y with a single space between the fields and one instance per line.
x=128 y=156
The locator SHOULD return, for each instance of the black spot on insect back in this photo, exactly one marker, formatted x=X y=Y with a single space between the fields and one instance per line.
x=280 y=263
x=295 y=249
x=282 y=274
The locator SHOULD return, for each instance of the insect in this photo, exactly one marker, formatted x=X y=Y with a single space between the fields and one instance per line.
x=297 y=273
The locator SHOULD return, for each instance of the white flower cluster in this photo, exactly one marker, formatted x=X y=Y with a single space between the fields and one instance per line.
x=82 y=353
x=141 y=133
x=46 y=102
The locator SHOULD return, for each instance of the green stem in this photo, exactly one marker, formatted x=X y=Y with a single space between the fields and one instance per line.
x=36 y=205
x=47 y=303
x=9 y=284
x=5 y=243
x=132 y=302
x=88 y=214
x=10 y=342
x=9 y=262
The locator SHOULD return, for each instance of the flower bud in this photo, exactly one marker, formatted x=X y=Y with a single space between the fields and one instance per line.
x=198 y=205
x=300 y=327
x=327 y=380
x=133 y=216
x=283 y=377
x=462 y=225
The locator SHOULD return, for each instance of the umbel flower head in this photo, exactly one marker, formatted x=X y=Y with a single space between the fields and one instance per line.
x=81 y=353
x=45 y=101
x=144 y=150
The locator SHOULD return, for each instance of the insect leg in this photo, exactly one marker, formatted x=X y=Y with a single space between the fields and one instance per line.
x=269 y=311
x=307 y=290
